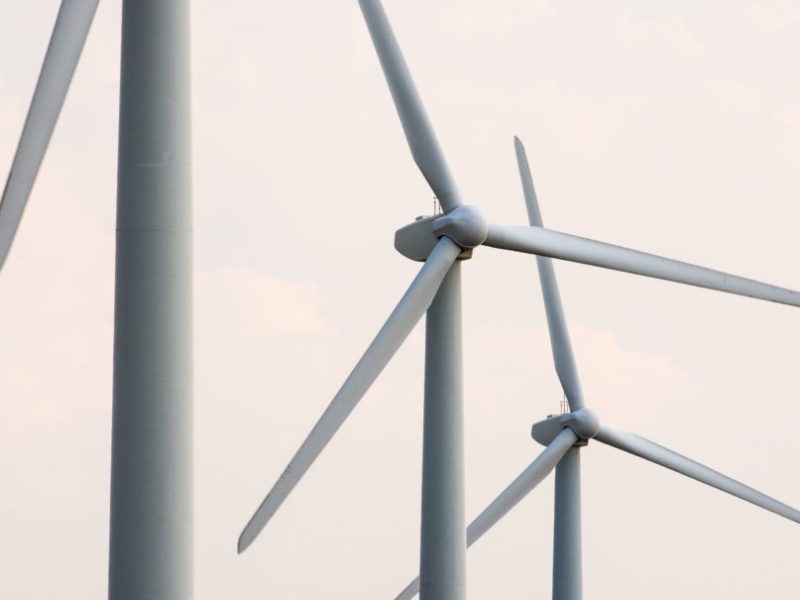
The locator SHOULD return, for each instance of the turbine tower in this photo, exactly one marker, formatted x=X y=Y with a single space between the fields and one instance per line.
x=151 y=460
x=440 y=241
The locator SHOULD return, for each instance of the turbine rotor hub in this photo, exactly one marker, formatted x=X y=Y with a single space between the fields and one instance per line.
x=464 y=225
x=583 y=422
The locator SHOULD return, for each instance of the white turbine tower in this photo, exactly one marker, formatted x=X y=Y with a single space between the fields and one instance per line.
x=441 y=241
x=151 y=477
x=151 y=456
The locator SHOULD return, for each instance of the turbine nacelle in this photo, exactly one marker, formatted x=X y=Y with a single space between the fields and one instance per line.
x=583 y=422
x=464 y=225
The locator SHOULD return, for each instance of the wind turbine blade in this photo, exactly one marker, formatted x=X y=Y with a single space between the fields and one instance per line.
x=563 y=356
x=522 y=485
x=397 y=327
x=531 y=202
x=651 y=451
x=66 y=42
x=509 y=497
x=416 y=125
x=545 y=242
x=410 y=591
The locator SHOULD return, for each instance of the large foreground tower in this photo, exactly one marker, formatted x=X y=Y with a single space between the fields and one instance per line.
x=151 y=473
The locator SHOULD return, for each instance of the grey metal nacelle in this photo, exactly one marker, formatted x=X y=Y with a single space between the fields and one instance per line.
x=465 y=226
x=583 y=422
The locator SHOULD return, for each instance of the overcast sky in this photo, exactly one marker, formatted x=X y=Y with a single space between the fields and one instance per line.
x=668 y=127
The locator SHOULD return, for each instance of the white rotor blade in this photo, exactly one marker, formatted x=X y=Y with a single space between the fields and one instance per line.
x=556 y=323
x=546 y=242
x=397 y=327
x=416 y=125
x=672 y=460
x=66 y=42
x=508 y=499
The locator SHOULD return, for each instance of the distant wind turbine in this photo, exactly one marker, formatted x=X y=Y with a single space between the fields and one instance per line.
x=564 y=435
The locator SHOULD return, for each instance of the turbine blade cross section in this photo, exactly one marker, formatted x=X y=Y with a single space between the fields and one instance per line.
x=397 y=327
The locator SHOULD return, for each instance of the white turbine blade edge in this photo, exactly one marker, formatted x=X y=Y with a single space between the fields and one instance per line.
x=665 y=457
x=66 y=43
x=405 y=316
x=417 y=127
x=510 y=497
x=546 y=242
x=560 y=344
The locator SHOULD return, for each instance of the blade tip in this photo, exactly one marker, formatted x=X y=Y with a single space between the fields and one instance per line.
x=244 y=542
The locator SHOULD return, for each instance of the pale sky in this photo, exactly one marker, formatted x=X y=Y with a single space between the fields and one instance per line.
x=669 y=127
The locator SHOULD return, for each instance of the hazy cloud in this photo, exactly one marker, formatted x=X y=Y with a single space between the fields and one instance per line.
x=265 y=305
x=773 y=15
x=663 y=32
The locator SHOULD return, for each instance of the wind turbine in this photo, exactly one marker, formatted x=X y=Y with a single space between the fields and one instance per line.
x=564 y=435
x=441 y=242
x=150 y=553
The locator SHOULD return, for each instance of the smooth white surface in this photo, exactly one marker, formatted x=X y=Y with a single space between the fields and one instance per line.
x=667 y=128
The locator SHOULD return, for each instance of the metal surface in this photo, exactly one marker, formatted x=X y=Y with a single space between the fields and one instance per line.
x=567 y=568
x=583 y=422
x=151 y=545
x=443 y=546
x=416 y=125
x=510 y=497
x=563 y=357
x=66 y=43
x=545 y=242
x=397 y=327
x=665 y=457
x=417 y=240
